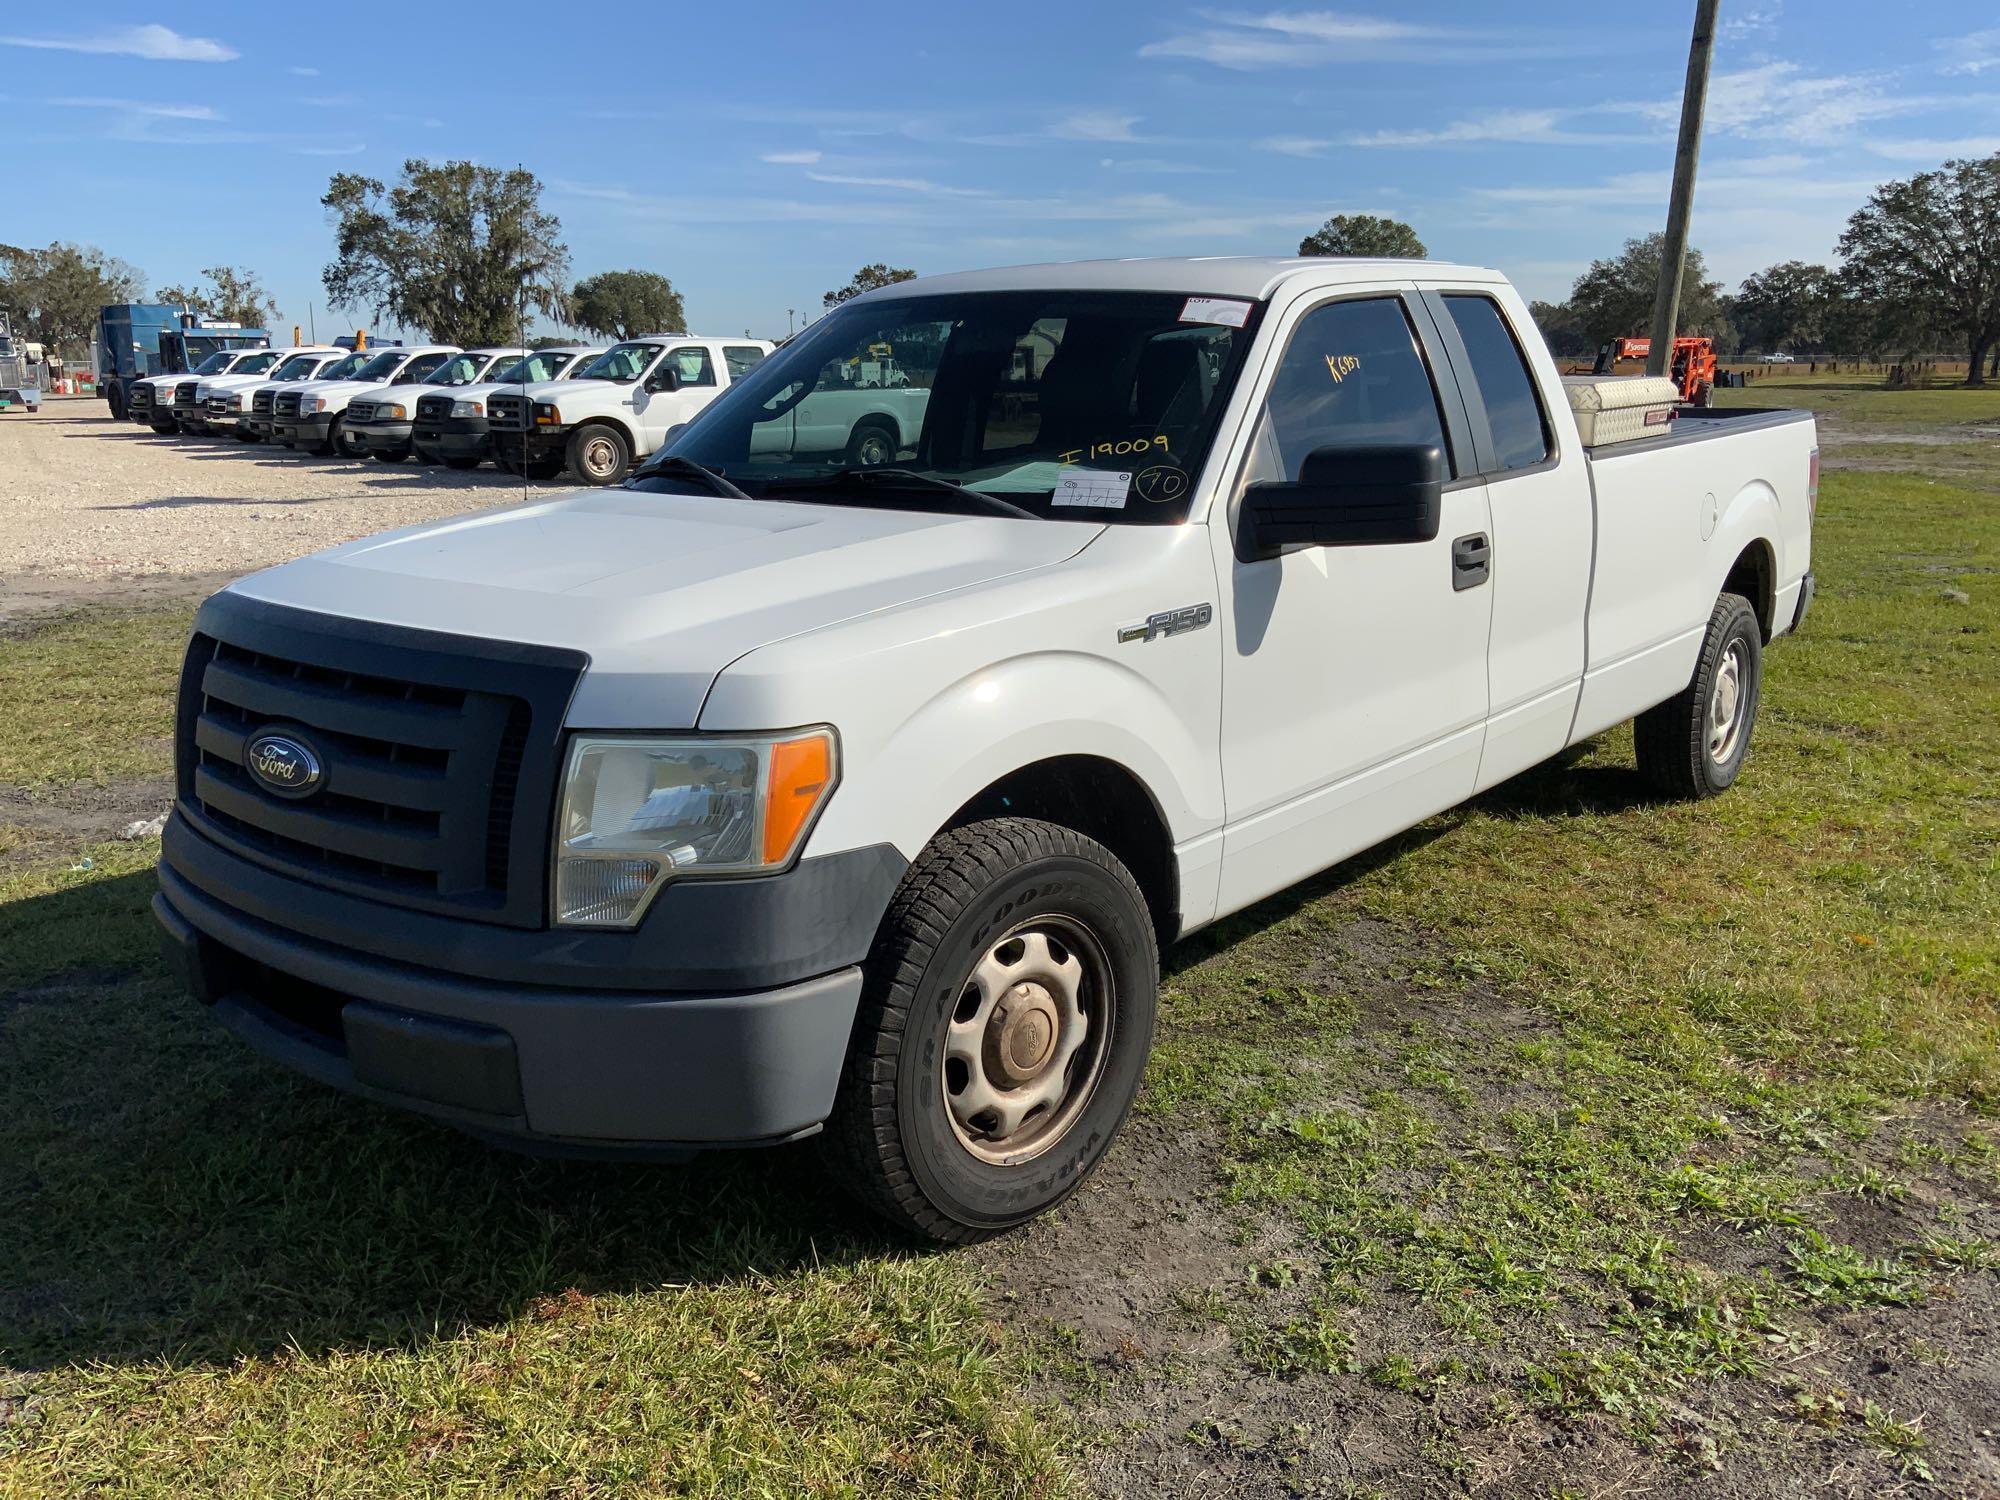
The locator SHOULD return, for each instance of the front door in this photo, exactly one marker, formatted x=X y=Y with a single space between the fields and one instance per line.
x=656 y=410
x=1354 y=678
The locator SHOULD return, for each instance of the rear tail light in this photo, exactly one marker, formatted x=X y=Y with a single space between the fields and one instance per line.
x=1812 y=486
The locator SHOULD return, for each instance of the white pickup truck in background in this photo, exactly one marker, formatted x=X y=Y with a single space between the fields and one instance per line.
x=782 y=792
x=225 y=399
x=313 y=416
x=619 y=409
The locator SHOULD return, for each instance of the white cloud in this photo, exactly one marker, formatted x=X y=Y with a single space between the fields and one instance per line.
x=1538 y=127
x=895 y=184
x=790 y=158
x=1759 y=20
x=156 y=43
x=1972 y=54
x=1302 y=39
x=140 y=107
x=1293 y=145
x=1780 y=101
x=1095 y=125
x=1934 y=153
x=352 y=148
x=303 y=72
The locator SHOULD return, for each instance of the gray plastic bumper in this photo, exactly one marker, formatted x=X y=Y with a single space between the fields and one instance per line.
x=574 y=1072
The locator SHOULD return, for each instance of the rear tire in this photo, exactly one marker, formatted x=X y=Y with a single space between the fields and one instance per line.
x=543 y=469
x=115 y=397
x=1694 y=744
x=872 y=445
x=598 y=454
x=1006 y=1015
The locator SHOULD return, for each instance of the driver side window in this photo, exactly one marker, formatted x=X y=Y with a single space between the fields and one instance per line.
x=417 y=369
x=1352 y=376
x=692 y=363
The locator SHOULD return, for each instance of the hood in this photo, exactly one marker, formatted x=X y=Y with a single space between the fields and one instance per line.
x=555 y=390
x=235 y=382
x=661 y=591
x=335 y=389
x=480 y=390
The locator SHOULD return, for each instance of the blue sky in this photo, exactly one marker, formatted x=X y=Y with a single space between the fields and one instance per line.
x=757 y=155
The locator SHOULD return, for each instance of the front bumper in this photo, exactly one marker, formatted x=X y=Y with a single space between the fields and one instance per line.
x=536 y=443
x=310 y=431
x=222 y=421
x=191 y=418
x=453 y=437
x=545 y=1040
x=379 y=437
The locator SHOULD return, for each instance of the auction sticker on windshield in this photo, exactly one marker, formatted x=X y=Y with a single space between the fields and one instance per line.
x=1224 y=310
x=1101 y=489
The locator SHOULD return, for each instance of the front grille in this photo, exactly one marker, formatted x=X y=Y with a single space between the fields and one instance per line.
x=439 y=756
x=507 y=411
x=218 y=406
x=261 y=403
x=288 y=404
x=360 y=411
x=142 y=395
x=184 y=393
x=433 y=408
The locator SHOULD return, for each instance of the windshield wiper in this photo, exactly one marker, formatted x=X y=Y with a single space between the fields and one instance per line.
x=670 y=467
x=909 y=479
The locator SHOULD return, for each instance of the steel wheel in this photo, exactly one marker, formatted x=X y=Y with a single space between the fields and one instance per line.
x=1727 y=705
x=1027 y=1040
x=598 y=457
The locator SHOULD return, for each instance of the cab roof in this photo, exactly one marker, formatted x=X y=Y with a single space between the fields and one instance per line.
x=1256 y=277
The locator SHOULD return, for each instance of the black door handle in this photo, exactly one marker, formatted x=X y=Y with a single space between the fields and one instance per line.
x=1471 y=561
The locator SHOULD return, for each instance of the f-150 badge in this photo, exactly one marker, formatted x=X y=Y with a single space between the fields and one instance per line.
x=1168 y=622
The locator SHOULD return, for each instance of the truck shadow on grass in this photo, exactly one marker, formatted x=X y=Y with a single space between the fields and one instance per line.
x=168 y=1196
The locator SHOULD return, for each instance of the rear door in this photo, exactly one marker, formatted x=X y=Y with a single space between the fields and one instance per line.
x=1540 y=502
x=1354 y=678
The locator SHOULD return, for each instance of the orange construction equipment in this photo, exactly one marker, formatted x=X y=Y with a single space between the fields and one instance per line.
x=1693 y=364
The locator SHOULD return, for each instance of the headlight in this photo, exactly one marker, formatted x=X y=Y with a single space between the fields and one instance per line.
x=547 y=415
x=467 y=409
x=234 y=403
x=312 y=406
x=390 y=414
x=638 y=811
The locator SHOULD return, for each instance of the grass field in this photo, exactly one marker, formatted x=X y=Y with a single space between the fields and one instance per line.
x=1573 y=1144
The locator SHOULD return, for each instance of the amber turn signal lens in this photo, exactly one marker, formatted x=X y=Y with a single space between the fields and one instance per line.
x=801 y=776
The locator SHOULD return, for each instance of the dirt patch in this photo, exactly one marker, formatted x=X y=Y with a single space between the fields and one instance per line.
x=1148 y=1288
x=37 y=822
x=28 y=597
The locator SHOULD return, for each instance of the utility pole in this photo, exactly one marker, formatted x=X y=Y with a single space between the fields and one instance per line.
x=1673 y=254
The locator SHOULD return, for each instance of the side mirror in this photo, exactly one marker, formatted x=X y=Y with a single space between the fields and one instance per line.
x=1347 y=497
x=666 y=378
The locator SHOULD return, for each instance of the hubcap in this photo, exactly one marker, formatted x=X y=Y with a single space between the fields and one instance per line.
x=597 y=456
x=1027 y=1040
x=1728 y=702
x=875 y=450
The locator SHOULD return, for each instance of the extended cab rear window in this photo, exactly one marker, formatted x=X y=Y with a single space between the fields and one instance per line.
x=1501 y=382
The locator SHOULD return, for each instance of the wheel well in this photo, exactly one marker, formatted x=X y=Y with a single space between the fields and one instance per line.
x=1101 y=800
x=631 y=445
x=1754 y=575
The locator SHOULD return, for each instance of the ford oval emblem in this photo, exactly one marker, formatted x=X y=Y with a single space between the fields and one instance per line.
x=284 y=764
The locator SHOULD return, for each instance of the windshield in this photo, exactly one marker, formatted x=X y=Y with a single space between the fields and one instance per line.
x=383 y=365
x=1096 y=406
x=543 y=364
x=623 y=363
x=460 y=369
x=298 y=367
x=348 y=369
x=258 y=362
x=215 y=364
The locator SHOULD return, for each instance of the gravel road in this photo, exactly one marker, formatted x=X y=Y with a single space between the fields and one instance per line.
x=92 y=509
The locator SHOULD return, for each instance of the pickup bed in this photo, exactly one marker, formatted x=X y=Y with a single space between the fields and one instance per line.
x=793 y=788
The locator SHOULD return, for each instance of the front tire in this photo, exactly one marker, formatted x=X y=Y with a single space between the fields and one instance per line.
x=1005 y=1020
x=599 y=455
x=461 y=463
x=1693 y=745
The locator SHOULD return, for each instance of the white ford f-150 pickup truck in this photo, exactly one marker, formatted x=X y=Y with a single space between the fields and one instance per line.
x=777 y=793
x=225 y=399
x=313 y=416
x=157 y=400
x=620 y=408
